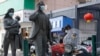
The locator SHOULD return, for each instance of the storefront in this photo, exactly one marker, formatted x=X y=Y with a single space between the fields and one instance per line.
x=58 y=23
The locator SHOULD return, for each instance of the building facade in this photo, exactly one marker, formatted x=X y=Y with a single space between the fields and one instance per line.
x=55 y=4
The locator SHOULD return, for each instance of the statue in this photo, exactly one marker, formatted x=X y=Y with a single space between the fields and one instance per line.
x=12 y=29
x=41 y=32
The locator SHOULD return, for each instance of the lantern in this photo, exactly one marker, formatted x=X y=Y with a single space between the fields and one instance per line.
x=88 y=17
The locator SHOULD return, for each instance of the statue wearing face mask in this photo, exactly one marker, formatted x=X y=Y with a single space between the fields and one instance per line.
x=42 y=7
x=11 y=14
x=11 y=32
x=41 y=31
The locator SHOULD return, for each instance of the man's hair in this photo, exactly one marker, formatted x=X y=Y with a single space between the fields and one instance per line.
x=67 y=27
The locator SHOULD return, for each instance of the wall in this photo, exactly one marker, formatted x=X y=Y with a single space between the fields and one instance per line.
x=69 y=12
x=29 y=4
x=59 y=4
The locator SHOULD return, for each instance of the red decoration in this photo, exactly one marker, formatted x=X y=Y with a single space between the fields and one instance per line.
x=88 y=17
x=58 y=48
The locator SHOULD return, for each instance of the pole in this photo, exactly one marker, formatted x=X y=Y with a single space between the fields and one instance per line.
x=25 y=45
x=94 y=45
x=76 y=21
x=51 y=14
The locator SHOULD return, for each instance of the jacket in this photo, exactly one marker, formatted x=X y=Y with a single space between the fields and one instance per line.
x=41 y=23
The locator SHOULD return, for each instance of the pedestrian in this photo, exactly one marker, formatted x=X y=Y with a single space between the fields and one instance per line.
x=11 y=31
x=41 y=33
x=70 y=41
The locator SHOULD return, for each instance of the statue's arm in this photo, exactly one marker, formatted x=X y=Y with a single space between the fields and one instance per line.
x=33 y=17
x=7 y=26
x=49 y=31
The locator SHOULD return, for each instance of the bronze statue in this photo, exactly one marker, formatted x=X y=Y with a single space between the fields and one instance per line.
x=41 y=32
x=12 y=30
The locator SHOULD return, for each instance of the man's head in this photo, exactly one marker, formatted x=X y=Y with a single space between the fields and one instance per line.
x=41 y=6
x=68 y=27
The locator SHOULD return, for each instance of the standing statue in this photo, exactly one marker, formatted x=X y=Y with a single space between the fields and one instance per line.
x=12 y=29
x=41 y=32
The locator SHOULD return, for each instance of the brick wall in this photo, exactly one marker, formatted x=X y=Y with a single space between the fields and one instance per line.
x=59 y=4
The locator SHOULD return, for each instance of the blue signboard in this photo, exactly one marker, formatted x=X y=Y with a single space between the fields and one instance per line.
x=59 y=22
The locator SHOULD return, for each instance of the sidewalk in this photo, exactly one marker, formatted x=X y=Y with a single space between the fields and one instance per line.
x=18 y=53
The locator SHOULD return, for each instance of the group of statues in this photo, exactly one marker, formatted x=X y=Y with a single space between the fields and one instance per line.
x=40 y=36
x=40 y=32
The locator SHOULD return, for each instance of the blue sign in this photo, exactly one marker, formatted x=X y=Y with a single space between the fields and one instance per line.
x=59 y=22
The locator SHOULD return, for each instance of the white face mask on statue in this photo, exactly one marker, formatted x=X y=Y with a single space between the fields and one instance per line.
x=42 y=7
x=11 y=14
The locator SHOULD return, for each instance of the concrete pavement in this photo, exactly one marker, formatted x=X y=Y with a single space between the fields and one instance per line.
x=18 y=53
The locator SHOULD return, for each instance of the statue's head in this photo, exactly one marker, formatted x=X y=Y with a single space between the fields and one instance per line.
x=41 y=6
x=9 y=13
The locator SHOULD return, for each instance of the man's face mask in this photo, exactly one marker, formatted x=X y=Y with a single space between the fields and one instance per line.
x=42 y=7
x=11 y=14
x=66 y=31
